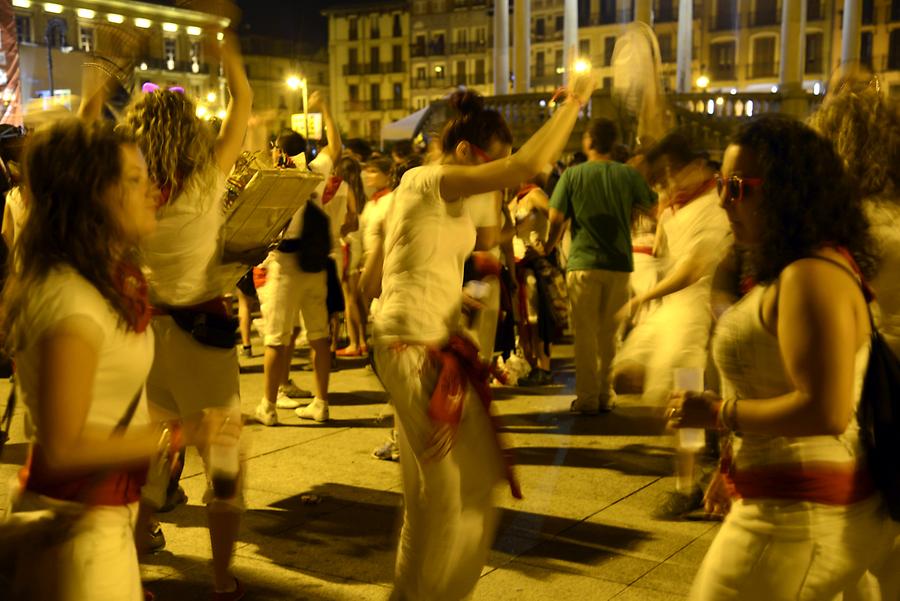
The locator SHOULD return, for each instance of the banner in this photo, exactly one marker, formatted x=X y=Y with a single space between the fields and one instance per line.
x=10 y=73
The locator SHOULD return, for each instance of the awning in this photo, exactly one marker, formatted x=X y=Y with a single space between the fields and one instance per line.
x=405 y=128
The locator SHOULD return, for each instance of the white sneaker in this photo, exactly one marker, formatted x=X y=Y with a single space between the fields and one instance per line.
x=285 y=402
x=293 y=391
x=265 y=413
x=317 y=410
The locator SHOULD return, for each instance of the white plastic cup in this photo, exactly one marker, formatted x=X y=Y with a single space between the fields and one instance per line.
x=689 y=379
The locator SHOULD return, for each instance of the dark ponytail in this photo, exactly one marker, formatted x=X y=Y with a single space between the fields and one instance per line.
x=473 y=123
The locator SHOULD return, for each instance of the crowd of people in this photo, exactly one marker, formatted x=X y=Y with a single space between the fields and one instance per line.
x=455 y=267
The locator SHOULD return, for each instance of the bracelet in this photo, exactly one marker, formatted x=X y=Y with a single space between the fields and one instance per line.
x=725 y=413
x=719 y=410
x=734 y=419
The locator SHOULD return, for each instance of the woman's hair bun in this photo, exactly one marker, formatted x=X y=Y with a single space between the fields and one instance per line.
x=466 y=102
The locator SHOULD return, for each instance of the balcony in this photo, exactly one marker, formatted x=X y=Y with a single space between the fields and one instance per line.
x=762 y=70
x=469 y=79
x=425 y=50
x=666 y=12
x=469 y=47
x=376 y=104
x=609 y=17
x=765 y=18
x=374 y=68
x=814 y=65
x=468 y=4
x=548 y=78
x=725 y=72
x=160 y=64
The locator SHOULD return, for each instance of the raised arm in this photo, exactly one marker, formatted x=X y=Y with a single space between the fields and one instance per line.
x=237 y=115
x=543 y=147
x=335 y=145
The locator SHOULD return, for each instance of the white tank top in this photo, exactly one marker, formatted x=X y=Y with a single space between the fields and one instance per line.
x=749 y=360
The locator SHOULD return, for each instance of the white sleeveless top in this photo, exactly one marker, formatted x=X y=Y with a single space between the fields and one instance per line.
x=749 y=360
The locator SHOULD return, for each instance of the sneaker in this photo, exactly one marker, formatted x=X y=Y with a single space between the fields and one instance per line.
x=265 y=413
x=247 y=351
x=293 y=391
x=317 y=410
x=679 y=505
x=151 y=541
x=537 y=377
x=389 y=451
x=178 y=497
x=285 y=402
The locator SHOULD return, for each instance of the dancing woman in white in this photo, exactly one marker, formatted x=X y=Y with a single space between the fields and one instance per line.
x=806 y=522
x=449 y=455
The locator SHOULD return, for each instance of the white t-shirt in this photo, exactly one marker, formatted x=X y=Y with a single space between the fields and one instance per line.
x=427 y=241
x=17 y=210
x=183 y=257
x=371 y=221
x=335 y=209
x=124 y=357
x=484 y=212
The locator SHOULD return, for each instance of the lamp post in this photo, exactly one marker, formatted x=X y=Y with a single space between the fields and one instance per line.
x=294 y=83
x=56 y=30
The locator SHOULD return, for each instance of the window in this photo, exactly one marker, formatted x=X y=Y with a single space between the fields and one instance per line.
x=584 y=48
x=398 y=95
x=419 y=46
x=169 y=50
x=865 y=49
x=584 y=13
x=375 y=129
x=398 y=27
x=813 y=10
x=726 y=15
x=460 y=73
x=354 y=127
x=437 y=43
x=559 y=24
x=374 y=30
x=763 y=57
x=721 y=60
x=895 y=10
x=420 y=73
x=23 y=29
x=539 y=29
x=480 y=77
x=374 y=60
x=87 y=39
x=353 y=29
x=353 y=61
x=375 y=96
x=421 y=102
x=666 y=52
x=894 y=51
x=196 y=57
x=868 y=12
x=480 y=36
x=813 y=53
x=665 y=11
x=439 y=72
x=609 y=44
x=56 y=33
x=607 y=11
x=539 y=65
x=766 y=13
x=353 y=92
x=397 y=58
x=559 y=59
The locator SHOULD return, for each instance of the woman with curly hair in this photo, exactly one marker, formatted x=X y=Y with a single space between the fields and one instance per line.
x=806 y=521
x=864 y=126
x=195 y=367
x=82 y=357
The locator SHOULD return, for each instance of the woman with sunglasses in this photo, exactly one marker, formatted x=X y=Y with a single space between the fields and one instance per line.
x=805 y=522
x=449 y=455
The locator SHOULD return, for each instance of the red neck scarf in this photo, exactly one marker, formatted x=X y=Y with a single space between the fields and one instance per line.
x=524 y=190
x=686 y=196
x=331 y=188
x=379 y=194
x=132 y=285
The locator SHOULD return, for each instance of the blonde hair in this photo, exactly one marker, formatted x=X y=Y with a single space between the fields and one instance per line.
x=864 y=127
x=175 y=142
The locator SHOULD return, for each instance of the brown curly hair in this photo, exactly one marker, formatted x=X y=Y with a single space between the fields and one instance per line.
x=175 y=142
x=69 y=168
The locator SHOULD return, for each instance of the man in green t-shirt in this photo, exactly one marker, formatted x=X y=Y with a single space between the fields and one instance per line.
x=597 y=197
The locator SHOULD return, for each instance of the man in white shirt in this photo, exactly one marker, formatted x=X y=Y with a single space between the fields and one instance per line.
x=290 y=292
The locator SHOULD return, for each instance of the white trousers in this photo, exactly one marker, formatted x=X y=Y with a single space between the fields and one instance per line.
x=789 y=551
x=595 y=295
x=449 y=518
x=95 y=560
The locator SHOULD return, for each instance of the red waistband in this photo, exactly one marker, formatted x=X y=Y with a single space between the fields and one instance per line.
x=643 y=250
x=819 y=483
x=115 y=487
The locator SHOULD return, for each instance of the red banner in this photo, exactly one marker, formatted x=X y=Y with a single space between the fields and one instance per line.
x=10 y=75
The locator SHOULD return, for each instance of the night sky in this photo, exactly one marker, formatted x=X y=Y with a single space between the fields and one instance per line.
x=293 y=19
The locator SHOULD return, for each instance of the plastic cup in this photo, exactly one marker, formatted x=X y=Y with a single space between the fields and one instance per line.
x=689 y=378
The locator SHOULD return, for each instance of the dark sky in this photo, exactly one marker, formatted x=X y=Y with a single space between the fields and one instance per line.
x=293 y=19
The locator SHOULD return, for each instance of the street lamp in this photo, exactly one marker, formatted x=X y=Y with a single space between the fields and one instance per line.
x=703 y=82
x=56 y=31
x=294 y=82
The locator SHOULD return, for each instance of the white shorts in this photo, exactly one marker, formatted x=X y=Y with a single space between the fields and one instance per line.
x=288 y=293
x=188 y=377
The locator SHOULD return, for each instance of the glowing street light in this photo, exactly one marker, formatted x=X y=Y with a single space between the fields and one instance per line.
x=582 y=65
x=294 y=82
x=703 y=82
x=211 y=98
x=202 y=111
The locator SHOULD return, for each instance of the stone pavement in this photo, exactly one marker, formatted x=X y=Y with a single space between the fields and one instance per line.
x=583 y=530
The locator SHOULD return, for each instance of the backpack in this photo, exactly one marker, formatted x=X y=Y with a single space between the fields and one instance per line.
x=314 y=245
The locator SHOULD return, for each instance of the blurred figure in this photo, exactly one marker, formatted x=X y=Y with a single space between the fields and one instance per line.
x=401 y=151
x=82 y=358
x=195 y=368
x=597 y=198
x=805 y=520
x=349 y=171
x=449 y=454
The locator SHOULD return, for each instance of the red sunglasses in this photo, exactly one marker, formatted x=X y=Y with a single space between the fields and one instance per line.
x=482 y=155
x=735 y=185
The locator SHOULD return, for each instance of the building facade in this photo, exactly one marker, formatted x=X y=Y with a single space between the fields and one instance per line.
x=368 y=51
x=67 y=32
x=735 y=47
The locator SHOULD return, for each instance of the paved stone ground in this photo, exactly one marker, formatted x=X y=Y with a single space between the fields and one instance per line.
x=583 y=531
